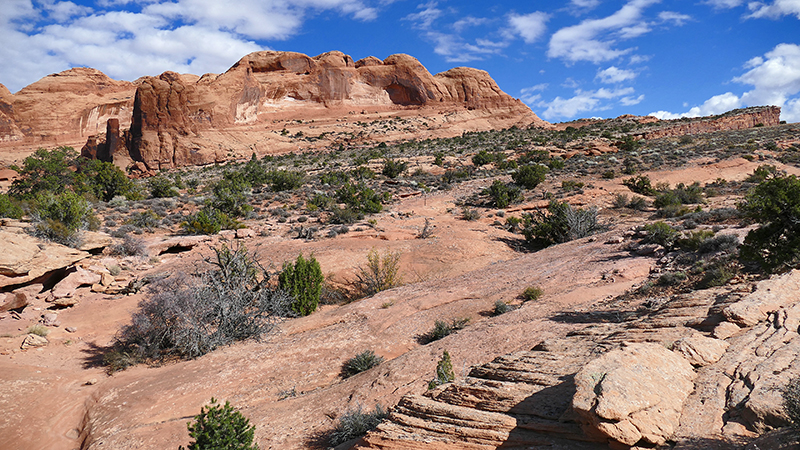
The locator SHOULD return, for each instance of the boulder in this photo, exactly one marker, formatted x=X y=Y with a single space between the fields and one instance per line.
x=700 y=350
x=770 y=296
x=14 y=300
x=633 y=394
x=66 y=288
x=33 y=341
x=25 y=258
x=50 y=320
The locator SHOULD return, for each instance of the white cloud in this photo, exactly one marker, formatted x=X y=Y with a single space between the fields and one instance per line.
x=468 y=22
x=529 y=26
x=674 y=17
x=530 y=95
x=615 y=75
x=776 y=9
x=429 y=12
x=630 y=101
x=585 y=4
x=725 y=3
x=584 y=101
x=594 y=40
x=197 y=36
x=775 y=78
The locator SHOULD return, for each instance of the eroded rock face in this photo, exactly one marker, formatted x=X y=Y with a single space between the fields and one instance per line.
x=635 y=393
x=25 y=258
x=734 y=120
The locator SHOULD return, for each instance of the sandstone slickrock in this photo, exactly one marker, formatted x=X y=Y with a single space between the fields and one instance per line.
x=635 y=393
x=25 y=258
x=700 y=350
x=67 y=287
x=14 y=300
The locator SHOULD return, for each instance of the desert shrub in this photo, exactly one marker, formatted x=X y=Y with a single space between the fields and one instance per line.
x=344 y=215
x=671 y=278
x=571 y=185
x=44 y=171
x=393 y=168
x=105 y=180
x=39 y=330
x=285 y=180
x=144 y=220
x=334 y=178
x=775 y=204
x=209 y=221
x=187 y=317
x=442 y=329
x=381 y=272
x=482 y=158
x=609 y=175
x=359 y=198
x=661 y=233
x=693 y=239
x=221 y=427
x=229 y=195
x=762 y=173
x=130 y=246
x=532 y=293
x=629 y=144
x=9 y=208
x=161 y=187
x=470 y=214
x=529 y=176
x=452 y=175
x=638 y=203
x=681 y=195
x=501 y=307
x=727 y=243
x=444 y=371
x=361 y=173
x=791 y=401
x=620 y=201
x=355 y=423
x=303 y=281
x=58 y=218
x=718 y=273
x=561 y=223
x=254 y=172
x=640 y=184
x=361 y=363
x=501 y=194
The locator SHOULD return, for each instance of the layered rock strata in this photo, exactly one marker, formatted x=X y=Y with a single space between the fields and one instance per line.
x=737 y=119
x=615 y=381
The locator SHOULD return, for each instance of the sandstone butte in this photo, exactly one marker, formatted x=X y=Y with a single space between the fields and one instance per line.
x=176 y=119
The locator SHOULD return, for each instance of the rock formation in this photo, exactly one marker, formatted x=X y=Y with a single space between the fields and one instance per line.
x=737 y=119
x=615 y=382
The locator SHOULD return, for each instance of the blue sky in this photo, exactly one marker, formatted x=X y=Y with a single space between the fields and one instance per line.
x=566 y=60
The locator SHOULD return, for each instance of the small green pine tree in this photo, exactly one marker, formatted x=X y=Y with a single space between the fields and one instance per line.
x=444 y=371
x=221 y=428
x=303 y=281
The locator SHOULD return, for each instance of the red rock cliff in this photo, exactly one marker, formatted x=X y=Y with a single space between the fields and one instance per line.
x=737 y=119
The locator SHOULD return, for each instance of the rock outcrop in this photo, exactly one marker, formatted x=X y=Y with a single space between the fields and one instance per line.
x=615 y=381
x=737 y=119
x=25 y=258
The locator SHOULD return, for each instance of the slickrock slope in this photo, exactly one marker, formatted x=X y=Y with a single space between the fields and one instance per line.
x=614 y=381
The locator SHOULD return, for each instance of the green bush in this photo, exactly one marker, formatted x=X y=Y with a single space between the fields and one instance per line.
x=361 y=363
x=501 y=307
x=442 y=329
x=775 y=205
x=393 y=168
x=529 y=176
x=355 y=423
x=444 y=371
x=561 y=223
x=105 y=180
x=9 y=208
x=59 y=217
x=161 y=187
x=501 y=194
x=381 y=272
x=662 y=234
x=532 y=293
x=229 y=195
x=144 y=220
x=640 y=184
x=482 y=158
x=44 y=171
x=209 y=221
x=303 y=281
x=359 y=197
x=762 y=173
x=791 y=401
x=470 y=214
x=220 y=427
x=284 y=180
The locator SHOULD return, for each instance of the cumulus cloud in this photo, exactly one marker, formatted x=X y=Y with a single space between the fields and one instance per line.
x=195 y=36
x=720 y=4
x=615 y=75
x=585 y=101
x=774 y=10
x=674 y=17
x=775 y=79
x=595 y=40
x=529 y=26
